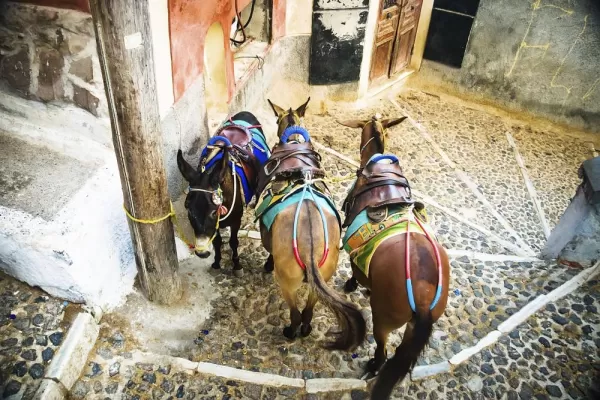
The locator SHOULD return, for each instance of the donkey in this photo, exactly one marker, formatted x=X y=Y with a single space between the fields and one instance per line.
x=225 y=181
x=394 y=255
x=300 y=228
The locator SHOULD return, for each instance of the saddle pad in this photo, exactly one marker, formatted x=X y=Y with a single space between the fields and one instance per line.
x=362 y=255
x=267 y=217
x=364 y=229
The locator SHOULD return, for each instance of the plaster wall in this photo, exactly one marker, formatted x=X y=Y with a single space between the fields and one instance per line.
x=536 y=56
x=298 y=17
x=189 y=22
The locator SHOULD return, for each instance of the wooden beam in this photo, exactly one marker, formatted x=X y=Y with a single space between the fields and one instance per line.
x=124 y=43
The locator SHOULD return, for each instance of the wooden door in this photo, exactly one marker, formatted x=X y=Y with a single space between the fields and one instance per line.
x=387 y=26
x=395 y=37
x=406 y=34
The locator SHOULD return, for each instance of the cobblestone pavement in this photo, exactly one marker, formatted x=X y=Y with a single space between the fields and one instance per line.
x=32 y=328
x=461 y=158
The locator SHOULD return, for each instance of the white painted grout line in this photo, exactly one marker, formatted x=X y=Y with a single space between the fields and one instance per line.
x=428 y=200
x=466 y=179
x=72 y=355
x=505 y=243
x=530 y=309
x=335 y=153
x=259 y=378
x=426 y=371
x=529 y=184
x=50 y=390
x=455 y=253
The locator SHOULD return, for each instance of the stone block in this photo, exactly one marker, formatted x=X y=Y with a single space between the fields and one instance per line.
x=590 y=173
x=16 y=70
x=83 y=69
x=84 y=99
x=50 y=84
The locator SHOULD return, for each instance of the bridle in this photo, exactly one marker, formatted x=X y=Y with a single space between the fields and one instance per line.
x=380 y=136
x=217 y=199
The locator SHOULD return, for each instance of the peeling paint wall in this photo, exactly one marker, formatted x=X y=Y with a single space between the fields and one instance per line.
x=338 y=34
x=538 y=56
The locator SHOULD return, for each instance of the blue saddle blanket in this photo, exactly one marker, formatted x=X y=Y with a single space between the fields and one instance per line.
x=259 y=149
x=268 y=217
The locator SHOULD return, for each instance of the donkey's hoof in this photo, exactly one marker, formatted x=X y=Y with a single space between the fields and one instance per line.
x=351 y=285
x=269 y=266
x=289 y=333
x=305 y=330
x=238 y=272
x=216 y=265
x=373 y=366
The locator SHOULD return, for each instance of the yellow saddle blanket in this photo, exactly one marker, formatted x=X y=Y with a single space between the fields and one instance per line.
x=362 y=242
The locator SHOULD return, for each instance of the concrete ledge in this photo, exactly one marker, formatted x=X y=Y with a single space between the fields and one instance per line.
x=72 y=356
x=259 y=378
x=320 y=385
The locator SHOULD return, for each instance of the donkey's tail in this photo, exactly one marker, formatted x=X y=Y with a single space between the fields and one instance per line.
x=405 y=358
x=352 y=324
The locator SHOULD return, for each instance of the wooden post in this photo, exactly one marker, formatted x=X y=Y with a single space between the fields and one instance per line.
x=124 y=45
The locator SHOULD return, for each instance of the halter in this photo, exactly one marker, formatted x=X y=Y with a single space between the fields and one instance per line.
x=381 y=135
x=218 y=192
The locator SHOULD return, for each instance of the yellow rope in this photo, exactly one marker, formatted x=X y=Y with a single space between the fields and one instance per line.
x=171 y=214
x=149 y=221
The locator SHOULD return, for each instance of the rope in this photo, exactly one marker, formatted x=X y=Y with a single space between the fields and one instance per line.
x=178 y=229
x=150 y=221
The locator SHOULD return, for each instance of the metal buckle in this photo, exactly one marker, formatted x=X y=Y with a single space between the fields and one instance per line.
x=278 y=161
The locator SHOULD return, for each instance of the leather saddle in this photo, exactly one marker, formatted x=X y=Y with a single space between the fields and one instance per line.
x=238 y=142
x=289 y=161
x=377 y=184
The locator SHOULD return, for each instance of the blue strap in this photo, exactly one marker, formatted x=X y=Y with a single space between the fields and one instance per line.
x=216 y=139
x=378 y=157
x=295 y=130
x=411 y=296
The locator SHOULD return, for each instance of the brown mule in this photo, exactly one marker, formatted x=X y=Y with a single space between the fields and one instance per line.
x=296 y=163
x=387 y=278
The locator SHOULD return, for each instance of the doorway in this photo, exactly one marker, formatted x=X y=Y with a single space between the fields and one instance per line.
x=395 y=35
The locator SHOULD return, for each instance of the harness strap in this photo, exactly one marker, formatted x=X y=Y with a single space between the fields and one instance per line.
x=438 y=259
x=308 y=185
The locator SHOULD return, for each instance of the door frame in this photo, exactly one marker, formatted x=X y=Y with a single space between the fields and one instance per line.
x=370 y=32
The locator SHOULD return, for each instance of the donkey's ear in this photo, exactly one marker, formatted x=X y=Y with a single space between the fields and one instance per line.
x=278 y=110
x=302 y=109
x=387 y=123
x=353 y=123
x=188 y=172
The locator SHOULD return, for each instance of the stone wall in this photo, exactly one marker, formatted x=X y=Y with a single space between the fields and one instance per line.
x=49 y=55
x=537 y=56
